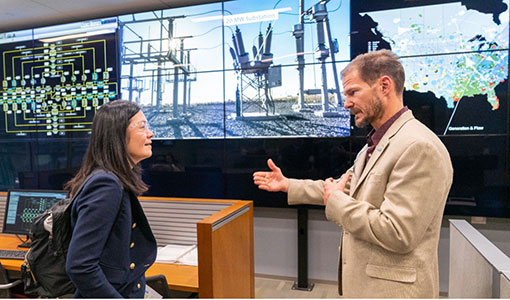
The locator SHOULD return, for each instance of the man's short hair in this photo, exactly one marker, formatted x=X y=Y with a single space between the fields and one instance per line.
x=371 y=66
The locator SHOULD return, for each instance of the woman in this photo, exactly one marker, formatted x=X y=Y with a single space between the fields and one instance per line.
x=112 y=243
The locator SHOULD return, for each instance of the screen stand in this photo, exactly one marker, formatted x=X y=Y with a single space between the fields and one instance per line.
x=302 y=283
x=26 y=243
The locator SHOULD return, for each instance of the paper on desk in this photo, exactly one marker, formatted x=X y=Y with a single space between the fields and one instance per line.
x=180 y=254
x=189 y=258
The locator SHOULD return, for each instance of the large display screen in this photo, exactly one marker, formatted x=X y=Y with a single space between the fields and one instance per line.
x=238 y=69
x=173 y=67
x=455 y=55
x=55 y=78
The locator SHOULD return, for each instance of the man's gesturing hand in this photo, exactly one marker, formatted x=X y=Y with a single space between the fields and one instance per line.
x=273 y=181
x=330 y=186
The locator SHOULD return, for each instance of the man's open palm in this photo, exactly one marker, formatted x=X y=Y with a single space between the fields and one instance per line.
x=272 y=181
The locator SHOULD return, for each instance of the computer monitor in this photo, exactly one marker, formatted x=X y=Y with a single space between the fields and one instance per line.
x=23 y=207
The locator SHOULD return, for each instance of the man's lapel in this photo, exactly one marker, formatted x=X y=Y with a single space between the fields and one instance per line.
x=383 y=144
x=371 y=161
x=359 y=162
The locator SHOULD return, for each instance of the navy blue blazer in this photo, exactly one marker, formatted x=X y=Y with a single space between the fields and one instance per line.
x=112 y=243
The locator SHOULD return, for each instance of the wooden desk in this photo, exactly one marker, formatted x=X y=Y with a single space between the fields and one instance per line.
x=11 y=242
x=179 y=277
x=222 y=231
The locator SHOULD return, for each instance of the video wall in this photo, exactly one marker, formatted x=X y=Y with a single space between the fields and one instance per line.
x=227 y=85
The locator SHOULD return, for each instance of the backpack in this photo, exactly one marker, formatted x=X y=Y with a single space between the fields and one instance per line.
x=44 y=269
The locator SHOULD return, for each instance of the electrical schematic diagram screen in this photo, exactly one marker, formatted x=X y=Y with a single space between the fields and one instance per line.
x=24 y=206
x=51 y=87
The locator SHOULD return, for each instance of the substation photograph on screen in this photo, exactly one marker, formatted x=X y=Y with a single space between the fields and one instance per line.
x=247 y=70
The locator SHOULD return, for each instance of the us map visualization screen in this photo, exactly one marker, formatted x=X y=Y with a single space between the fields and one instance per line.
x=54 y=79
x=455 y=56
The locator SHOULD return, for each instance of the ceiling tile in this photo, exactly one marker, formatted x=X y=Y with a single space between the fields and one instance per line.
x=24 y=14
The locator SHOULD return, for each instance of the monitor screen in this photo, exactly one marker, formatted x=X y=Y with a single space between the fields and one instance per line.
x=55 y=78
x=234 y=70
x=456 y=68
x=23 y=207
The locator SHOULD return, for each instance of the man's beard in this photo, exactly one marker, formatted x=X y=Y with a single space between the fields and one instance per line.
x=373 y=111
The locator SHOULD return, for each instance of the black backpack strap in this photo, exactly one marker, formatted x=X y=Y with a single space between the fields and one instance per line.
x=59 y=212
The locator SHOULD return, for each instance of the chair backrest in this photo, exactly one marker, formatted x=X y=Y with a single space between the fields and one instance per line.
x=4 y=293
x=159 y=284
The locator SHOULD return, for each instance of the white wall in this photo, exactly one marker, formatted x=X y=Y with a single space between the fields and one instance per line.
x=275 y=233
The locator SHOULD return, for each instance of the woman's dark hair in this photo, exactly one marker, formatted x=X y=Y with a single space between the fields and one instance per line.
x=107 y=147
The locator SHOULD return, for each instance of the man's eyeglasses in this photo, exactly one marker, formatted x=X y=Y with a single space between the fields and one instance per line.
x=142 y=125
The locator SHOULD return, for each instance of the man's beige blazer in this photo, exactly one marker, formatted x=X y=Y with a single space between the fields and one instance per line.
x=390 y=213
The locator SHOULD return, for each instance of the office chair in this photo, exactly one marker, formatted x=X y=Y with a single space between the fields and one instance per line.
x=5 y=285
x=160 y=285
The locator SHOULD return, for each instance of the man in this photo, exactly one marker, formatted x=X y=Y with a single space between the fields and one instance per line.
x=390 y=203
